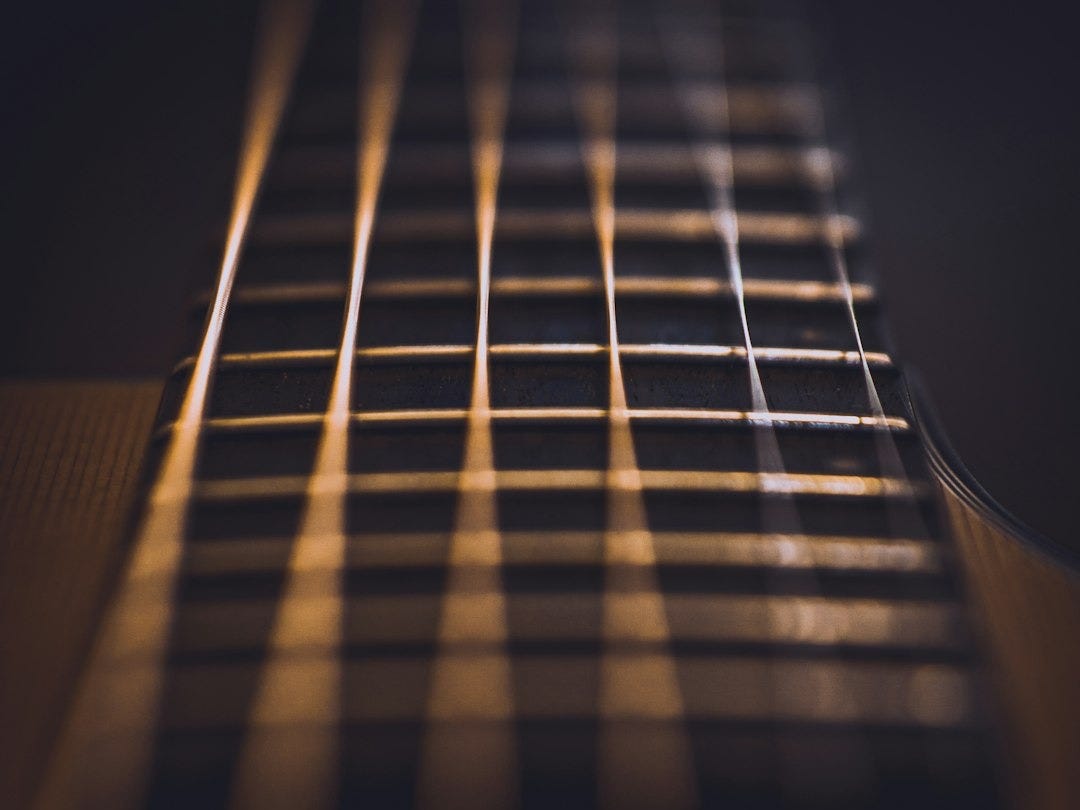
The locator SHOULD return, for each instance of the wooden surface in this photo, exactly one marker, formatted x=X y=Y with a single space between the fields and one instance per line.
x=1029 y=609
x=70 y=455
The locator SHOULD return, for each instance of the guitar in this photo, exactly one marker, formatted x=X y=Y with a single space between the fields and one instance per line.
x=540 y=444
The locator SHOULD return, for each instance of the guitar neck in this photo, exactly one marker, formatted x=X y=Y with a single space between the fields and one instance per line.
x=540 y=444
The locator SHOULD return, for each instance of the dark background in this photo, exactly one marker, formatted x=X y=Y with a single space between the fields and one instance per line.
x=122 y=119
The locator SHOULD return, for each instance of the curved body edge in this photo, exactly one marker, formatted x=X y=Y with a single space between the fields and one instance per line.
x=1024 y=591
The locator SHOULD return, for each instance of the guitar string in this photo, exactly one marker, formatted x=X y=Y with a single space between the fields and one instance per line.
x=905 y=516
x=469 y=755
x=103 y=755
x=291 y=754
x=645 y=758
x=715 y=169
x=781 y=521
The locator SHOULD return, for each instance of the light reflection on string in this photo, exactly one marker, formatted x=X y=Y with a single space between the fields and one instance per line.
x=710 y=128
x=469 y=756
x=103 y=755
x=905 y=517
x=645 y=758
x=291 y=755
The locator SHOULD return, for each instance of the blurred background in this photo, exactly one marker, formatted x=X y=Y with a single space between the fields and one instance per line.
x=122 y=121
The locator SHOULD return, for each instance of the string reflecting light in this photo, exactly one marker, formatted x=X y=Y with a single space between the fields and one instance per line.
x=644 y=749
x=291 y=755
x=780 y=519
x=469 y=755
x=102 y=757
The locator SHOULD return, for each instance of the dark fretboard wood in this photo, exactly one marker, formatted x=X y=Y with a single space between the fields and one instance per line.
x=700 y=596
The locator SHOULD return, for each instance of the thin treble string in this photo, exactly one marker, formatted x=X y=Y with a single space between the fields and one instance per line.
x=103 y=755
x=715 y=164
x=781 y=521
x=905 y=517
x=645 y=756
x=716 y=168
x=292 y=751
x=469 y=757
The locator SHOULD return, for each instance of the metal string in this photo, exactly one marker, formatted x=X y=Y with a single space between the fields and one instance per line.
x=104 y=753
x=644 y=757
x=291 y=754
x=905 y=517
x=781 y=522
x=469 y=756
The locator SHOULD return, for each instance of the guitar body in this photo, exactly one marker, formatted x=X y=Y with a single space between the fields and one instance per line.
x=1027 y=601
x=71 y=473
x=540 y=444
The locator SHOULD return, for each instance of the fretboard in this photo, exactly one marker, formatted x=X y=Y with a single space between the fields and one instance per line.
x=551 y=451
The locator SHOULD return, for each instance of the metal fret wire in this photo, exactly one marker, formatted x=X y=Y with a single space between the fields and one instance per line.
x=675 y=286
x=292 y=751
x=719 y=481
x=815 y=421
x=720 y=549
x=668 y=162
x=469 y=755
x=644 y=757
x=550 y=350
x=635 y=224
x=103 y=755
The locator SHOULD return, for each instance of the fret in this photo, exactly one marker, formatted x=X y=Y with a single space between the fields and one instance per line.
x=664 y=163
x=921 y=632
x=408 y=513
x=524 y=447
x=300 y=357
x=755 y=109
x=756 y=46
x=565 y=381
x=625 y=286
x=406 y=262
x=550 y=312
x=891 y=700
x=631 y=225
x=813 y=421
x=679 y=480
x=755 y=49
x=943 y=702
x=842 y=555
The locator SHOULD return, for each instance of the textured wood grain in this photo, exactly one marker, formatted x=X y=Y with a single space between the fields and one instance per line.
x=70 y=455
x=1029 y=608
